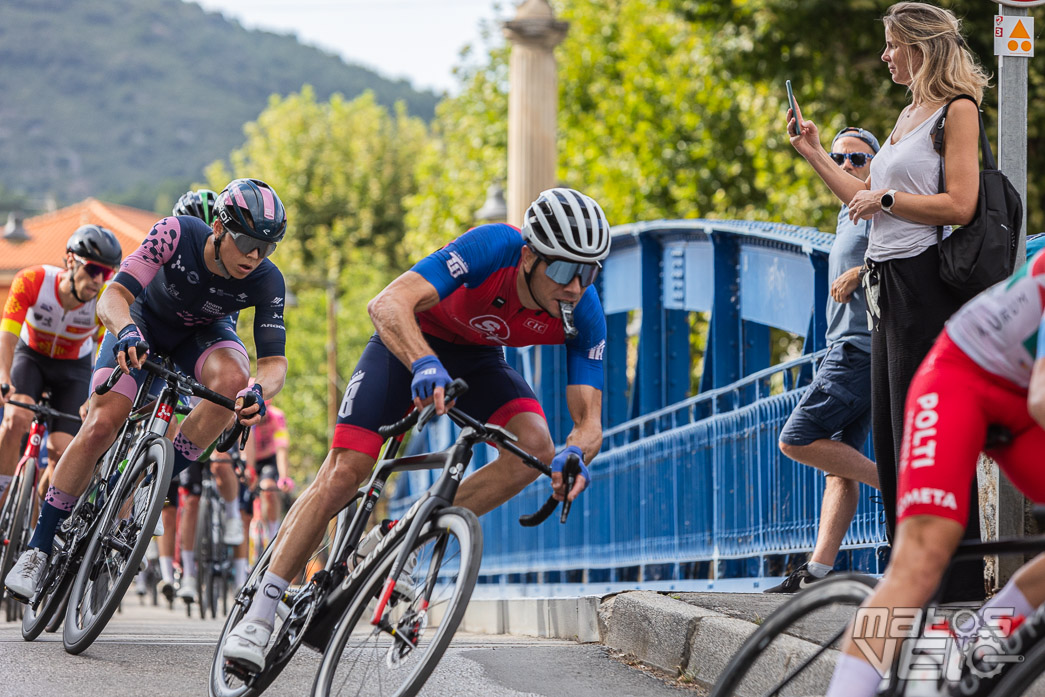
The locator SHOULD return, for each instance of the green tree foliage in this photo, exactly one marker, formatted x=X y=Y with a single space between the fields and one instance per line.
x=99 y=97
x=342 y=169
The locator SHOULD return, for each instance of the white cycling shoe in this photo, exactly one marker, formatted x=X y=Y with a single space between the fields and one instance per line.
x=188 y=588
x=246 y=644
x=24 y=577
x=233 y=534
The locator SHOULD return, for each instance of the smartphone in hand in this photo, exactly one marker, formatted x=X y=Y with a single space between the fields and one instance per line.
x=794 y=108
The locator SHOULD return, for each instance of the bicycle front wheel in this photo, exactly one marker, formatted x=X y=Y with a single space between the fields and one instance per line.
x=800 y=661
x=204 y=556
x=16 y=527
x=396 y=656
x=118 y=545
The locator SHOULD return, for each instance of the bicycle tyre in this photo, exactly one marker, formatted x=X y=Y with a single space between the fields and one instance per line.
x=458 y=523
x=34 y=622
x=17 y=528
x=81 y=629
x=1022 y=676
x=204 y=555
x=838 y=589
x=18 y=509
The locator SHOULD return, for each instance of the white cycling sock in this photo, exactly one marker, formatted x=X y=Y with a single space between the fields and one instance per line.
x=817 y=569
x=239 y=572
x=853 y=677
x=265 y=600
x=1009 y=599
x=188 y=563
x=232 y=508
x=167 y=569
x=5 y=481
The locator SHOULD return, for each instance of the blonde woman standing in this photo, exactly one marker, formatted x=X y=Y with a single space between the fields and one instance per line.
x=926 y=53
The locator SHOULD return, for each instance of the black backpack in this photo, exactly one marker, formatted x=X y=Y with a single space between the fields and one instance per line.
x=976 y=256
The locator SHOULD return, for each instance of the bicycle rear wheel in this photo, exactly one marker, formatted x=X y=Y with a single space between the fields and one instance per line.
x=118 y=546
x=424 y=612
x=803 y=631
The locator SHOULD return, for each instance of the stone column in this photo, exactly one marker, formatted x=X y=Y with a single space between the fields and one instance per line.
x=533 y=104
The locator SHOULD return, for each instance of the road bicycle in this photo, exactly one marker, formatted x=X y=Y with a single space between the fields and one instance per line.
x=383 y=622
x=806 y=631
x=99 y=548
x=19 y=507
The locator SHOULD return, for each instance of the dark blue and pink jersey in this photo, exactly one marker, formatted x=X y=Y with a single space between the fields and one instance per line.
x=475 y=276
x=175 y=293
x=187 y=312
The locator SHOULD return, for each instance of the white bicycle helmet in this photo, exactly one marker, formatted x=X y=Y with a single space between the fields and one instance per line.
x=566 y=224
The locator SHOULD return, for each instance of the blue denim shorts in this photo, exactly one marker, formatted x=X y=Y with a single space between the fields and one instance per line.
x=837 y=404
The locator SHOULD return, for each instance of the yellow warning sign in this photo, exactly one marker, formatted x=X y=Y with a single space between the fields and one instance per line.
x=1013 y=36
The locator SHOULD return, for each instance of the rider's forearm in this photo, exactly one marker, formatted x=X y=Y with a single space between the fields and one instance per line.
x=8 y=341
x=114 y=308
x=588 y=437
x=397 y=326
x=281 y=463
x=272 y=373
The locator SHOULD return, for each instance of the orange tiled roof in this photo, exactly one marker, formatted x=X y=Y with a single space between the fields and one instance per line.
x=49 y=232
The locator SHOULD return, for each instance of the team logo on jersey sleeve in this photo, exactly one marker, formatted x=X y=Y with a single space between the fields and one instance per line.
x=456 y=265
x=492 y=327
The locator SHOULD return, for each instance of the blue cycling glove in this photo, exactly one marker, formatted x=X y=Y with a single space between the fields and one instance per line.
x=429 y=374
x=255 y=390
x=560 y=461
x=129 y=336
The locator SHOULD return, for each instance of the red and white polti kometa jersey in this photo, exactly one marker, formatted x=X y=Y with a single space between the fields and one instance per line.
x=35 y=315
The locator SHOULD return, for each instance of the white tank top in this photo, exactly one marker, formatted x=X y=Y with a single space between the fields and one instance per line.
x=911 y=165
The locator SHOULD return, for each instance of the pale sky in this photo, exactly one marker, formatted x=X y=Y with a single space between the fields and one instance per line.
x=416 y=39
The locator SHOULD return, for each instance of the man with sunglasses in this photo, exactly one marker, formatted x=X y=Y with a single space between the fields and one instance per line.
x=828 y=428
x=450 y=317
x=179 y=292
x=47 y=340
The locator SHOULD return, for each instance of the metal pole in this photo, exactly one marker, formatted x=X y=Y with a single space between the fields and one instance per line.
x=1001 y=504
x=1012 y=124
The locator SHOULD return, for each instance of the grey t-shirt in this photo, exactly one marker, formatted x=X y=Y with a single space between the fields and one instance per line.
x=848 y=321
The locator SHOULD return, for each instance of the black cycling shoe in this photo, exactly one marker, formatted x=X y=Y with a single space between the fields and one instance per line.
x=799 y=579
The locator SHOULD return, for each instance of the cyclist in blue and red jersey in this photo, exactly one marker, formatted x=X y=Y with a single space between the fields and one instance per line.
x=986 y=369
x=179 y=291
x=450 y=317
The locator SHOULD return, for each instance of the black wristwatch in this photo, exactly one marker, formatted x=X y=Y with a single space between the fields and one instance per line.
x=888 y=199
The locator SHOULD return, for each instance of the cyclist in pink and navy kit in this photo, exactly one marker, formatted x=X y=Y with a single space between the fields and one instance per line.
x=450 y=317
x=986 y=371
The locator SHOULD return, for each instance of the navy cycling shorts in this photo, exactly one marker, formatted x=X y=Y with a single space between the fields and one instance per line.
x=379 y=392
x=188 y=356
x=837 y=404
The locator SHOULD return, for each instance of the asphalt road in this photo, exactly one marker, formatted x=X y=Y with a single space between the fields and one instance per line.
x=157 y=652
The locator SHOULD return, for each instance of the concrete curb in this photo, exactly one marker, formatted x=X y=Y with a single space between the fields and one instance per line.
x=672 y=635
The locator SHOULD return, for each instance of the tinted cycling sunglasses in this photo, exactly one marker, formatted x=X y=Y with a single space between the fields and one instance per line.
x=247 y=244
x=859 y=159
x=94 y=269
x=563 y=272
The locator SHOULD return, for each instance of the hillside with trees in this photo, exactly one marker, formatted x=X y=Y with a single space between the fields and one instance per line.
x=129 y=99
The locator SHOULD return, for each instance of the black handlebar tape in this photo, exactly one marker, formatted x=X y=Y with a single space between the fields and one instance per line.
x=530 y=520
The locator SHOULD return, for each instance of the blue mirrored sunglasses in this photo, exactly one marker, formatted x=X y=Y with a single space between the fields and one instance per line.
x=247 y=244
x=859 y=159
x=563 y=272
